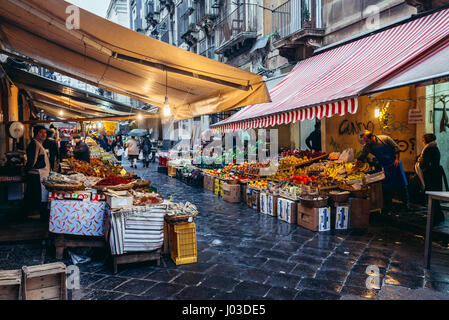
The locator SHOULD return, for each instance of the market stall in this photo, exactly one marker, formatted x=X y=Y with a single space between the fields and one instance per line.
x=315 y=190
x=98 y=204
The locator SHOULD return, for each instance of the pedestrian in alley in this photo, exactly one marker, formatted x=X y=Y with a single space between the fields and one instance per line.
x=313 y=141
x=133 y=151
x=431 y=173
x=146 y=150
x=387 y=152
x=81 y=150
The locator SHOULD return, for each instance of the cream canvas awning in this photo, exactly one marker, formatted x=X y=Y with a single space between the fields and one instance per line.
x=115 y=58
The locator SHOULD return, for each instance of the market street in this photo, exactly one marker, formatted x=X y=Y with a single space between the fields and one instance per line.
x=245 y=255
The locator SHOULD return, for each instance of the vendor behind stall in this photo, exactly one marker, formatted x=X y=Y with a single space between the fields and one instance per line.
x=387 y=151
x=37 y=168
x=81 y=150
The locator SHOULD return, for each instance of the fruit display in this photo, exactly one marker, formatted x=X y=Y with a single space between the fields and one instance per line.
x=258 y=184
x=96 y=168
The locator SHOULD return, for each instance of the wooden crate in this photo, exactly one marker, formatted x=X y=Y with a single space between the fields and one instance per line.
x=44 y=282
x=360 y=210
x=376 y=197
x=10 y=281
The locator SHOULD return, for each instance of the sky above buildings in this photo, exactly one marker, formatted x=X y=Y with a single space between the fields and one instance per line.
x=99 y=7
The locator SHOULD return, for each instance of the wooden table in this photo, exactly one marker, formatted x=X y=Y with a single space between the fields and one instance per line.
x=440 y=196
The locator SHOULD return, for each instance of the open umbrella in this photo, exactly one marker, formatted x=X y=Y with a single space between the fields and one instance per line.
x=137 y=133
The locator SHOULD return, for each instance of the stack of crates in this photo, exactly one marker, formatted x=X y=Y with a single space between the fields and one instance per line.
x=183 y=243
x=171 y=171
x=218 y=190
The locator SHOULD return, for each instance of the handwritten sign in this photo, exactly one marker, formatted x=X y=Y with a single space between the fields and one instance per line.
x=415 y=116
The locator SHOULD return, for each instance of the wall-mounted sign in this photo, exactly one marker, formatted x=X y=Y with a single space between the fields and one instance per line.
x=415 y=116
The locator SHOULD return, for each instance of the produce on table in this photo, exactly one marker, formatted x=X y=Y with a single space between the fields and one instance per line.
x=113 y=181
x=96 y=168
x=259 y=184
x=56 y=178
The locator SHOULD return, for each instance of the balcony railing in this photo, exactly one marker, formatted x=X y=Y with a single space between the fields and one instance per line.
x=204 y=11
x=296 y=15
x=242 y=21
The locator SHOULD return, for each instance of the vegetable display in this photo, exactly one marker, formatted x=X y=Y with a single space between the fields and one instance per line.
x=113 y=181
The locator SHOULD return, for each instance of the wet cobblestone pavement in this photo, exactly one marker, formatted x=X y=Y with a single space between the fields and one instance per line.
x=243 y=255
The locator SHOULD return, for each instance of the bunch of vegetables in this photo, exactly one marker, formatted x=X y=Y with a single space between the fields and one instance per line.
x=304 y=179
x=196 y=174
x=113 y=181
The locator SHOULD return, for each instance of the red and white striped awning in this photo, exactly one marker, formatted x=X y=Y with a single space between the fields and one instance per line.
x=329 y=83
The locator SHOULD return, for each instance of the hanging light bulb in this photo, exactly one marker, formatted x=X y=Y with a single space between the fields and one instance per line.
x=139 y=117
x=61 y=113
x=166 y=109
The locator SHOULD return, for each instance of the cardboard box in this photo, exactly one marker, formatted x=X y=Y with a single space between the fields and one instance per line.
x=256 y=200
x=360 y=210
x=72 y=217
x=264 y=203
x=249 y=197
x=77 y=195
x=209 y=183
x=314 y=219
x=272 y=205
x=341 y=217
x=231 y=192
x=125 y=201
x=287 y=210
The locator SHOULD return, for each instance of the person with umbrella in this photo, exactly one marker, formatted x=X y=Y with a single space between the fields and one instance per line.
x=133 y=151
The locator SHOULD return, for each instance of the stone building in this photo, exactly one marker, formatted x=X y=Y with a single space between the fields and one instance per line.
x=267 y=37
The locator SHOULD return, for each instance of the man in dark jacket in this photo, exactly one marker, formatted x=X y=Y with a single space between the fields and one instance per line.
x=81 y=150
x=313 y=141
x=37 y=168
x=52 y=146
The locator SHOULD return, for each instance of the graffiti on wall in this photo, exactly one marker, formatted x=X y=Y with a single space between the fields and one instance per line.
x=354 y=127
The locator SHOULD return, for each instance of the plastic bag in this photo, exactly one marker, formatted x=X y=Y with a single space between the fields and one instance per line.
x=141 y=155
x=347 y=155
x=78 y=259
x=126 y=153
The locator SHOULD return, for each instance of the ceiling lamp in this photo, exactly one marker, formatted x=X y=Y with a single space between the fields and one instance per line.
x=166 y=110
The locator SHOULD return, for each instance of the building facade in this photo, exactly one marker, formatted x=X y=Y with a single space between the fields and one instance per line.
x=266 y=37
